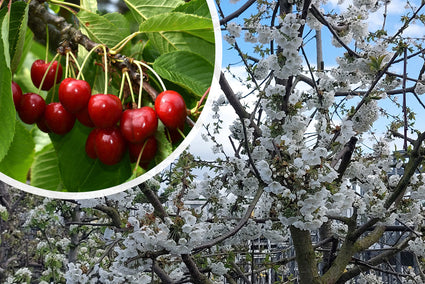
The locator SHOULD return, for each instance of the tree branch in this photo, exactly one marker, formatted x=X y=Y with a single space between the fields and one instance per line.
x=305 y=256
x=196 y=275
x=112 y=213
x=351 y=273
x=154 y=200
x=238 y=12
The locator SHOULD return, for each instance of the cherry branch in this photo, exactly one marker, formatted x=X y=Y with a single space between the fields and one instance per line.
x=64 y=33
x=237 y=13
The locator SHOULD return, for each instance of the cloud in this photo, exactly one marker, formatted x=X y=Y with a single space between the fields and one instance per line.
x=415 y=30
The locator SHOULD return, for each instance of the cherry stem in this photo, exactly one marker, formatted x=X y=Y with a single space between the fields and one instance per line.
x=105 y=56
x=78 y=66
x=130 y=86
x=46 y=58
x=61 y=3
x=181 y=133
x=198 y=105
x=86 y=58
x=47 y=70
x=65 y=7
x=56 y=77
x=139 y=103
x=123 y=42
x=153 y=71
x=122 y=85
x=66 y=65
x=140 y=155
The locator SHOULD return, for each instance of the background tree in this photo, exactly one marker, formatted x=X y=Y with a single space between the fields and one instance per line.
x=319 y=181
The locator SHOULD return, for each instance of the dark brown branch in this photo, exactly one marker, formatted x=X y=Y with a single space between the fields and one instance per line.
x=236 y=104
x=415 y=159
x=161 y=274
x=236 y=229
x=154 y=200
x=239 y=272
x=407 y=23
x=345 y=156
x=231 y=97
x=60 y=31
x=196 y=276
x=318 y=15
x=237 y=13
x=374 y=261
x=112 y=213
x=362 y=93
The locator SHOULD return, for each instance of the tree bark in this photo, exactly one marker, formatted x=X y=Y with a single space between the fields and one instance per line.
x=305 y=256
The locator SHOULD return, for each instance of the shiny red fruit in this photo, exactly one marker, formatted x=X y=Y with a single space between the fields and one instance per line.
x=104 y=110
x=58 y=119
x=39 y=67
x=110 y=145
x=84 y=117
x=138 y=124
x=31 y=108
x=17 y=94
x=90 y=144
x=41 y=124
x=171 y=109
x=150 y=146
x=74 y=94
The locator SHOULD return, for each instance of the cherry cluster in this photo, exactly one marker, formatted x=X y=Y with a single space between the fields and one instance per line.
x=116 y=128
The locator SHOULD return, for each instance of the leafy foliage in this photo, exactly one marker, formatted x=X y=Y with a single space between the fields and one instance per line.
x=163 y=36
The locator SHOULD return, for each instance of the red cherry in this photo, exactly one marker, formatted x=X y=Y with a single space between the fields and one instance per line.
x=150 y=146
x=31 y=108
x=39 y=67
x=104 y=110
x=43 y=126
x=17 y=94
x=74 y=94
x=110 y=145
x=171 y=109
x=58 y=119
x=138 y=124
x=84 y=117
x=90 y=144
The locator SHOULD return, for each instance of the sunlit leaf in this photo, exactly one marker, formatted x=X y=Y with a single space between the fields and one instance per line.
x=20 y=155
x=143 y=9
x=186 y=69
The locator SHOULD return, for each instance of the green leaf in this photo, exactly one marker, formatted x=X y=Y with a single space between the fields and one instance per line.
x=90 y=5
x=180 y=22
x=164 y=146
x=45 y=170
x=196 y=7
x=144 y=9
x=120 y=22
x=4 y=214
x=17 y=35
x=81 y=173
x=7 y=109
x=186 y=69
x=174 y=41
x=108 y=30
x=28 y=42
x=179 y=31
x=150 y=52
x=4 y=24
x=20 y=156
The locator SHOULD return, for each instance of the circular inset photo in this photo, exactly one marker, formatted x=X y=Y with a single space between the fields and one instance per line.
x=96 y=99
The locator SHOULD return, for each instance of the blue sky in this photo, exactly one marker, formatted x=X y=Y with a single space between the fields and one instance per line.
x=394 y=11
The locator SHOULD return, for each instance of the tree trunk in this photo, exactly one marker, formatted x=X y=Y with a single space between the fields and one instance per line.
x=305 y=257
